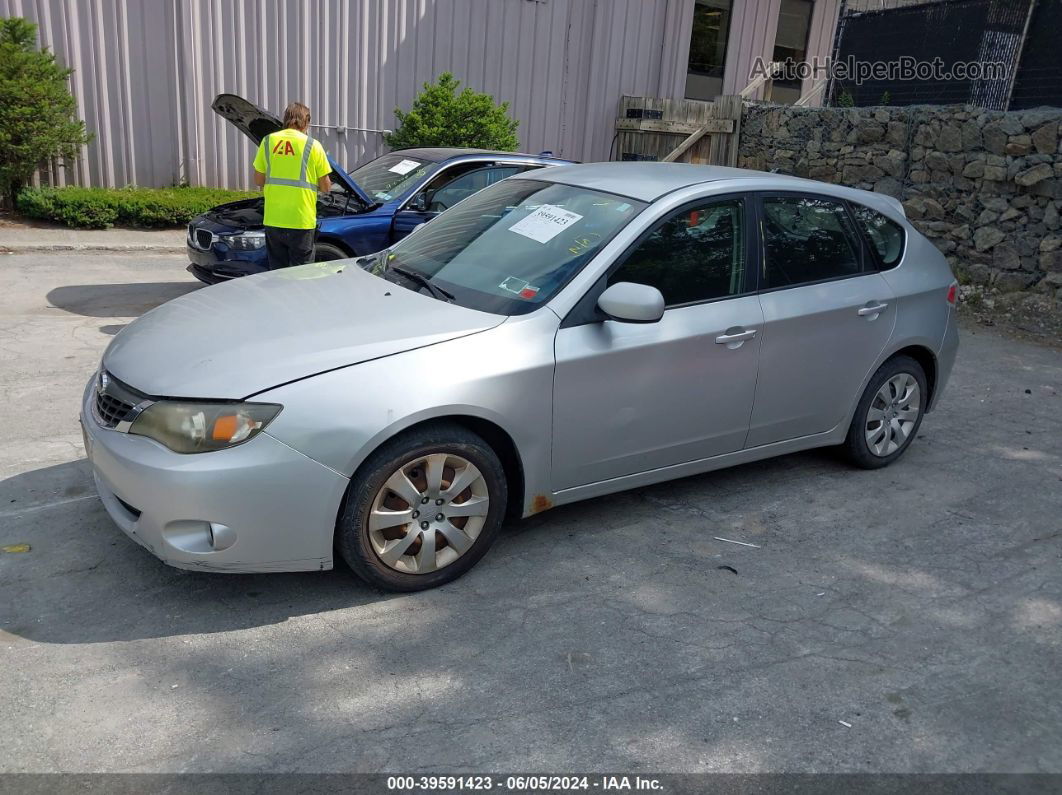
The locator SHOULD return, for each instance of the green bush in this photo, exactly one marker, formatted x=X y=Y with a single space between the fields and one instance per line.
x=100 y=208
x=39 y=120
x=442 y=117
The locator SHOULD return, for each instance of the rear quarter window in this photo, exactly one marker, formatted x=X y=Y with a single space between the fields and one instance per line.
x=886 y=236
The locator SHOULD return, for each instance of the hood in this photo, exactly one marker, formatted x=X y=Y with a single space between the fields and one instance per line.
x=256 y=124
x=240 y=337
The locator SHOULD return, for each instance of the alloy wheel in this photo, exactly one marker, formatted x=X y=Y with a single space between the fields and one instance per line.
x=893 y=414
x=428 y=513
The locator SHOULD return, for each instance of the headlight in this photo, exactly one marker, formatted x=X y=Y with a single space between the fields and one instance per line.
x=192 y=427
x=246 y=241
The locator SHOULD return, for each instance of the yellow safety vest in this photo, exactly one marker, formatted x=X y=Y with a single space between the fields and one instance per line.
x=291 y=178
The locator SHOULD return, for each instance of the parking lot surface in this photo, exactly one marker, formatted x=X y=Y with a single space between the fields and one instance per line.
x=908 y=619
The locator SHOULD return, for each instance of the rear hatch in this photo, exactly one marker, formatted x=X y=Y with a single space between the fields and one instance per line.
x=256 y=124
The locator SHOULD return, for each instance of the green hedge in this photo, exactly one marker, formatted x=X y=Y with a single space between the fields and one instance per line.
x=100 y=208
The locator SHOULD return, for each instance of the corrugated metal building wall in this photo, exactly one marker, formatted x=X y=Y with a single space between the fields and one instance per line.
x=752 y=34
x=147 y=70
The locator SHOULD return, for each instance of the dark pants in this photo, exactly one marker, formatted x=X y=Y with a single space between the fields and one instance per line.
x=287 y=247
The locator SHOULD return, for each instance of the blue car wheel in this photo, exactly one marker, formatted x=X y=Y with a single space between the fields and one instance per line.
x=325 y=252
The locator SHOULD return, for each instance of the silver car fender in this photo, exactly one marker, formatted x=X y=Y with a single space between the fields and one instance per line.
x=503 y=376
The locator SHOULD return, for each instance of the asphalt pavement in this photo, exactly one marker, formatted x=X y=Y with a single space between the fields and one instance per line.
x=908 y=619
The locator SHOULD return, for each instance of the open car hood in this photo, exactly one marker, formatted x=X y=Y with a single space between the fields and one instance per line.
x=256 y=124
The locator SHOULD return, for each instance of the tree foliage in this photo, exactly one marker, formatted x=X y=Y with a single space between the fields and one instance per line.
x=440 y=116
x=846 y=100
x=37 y=120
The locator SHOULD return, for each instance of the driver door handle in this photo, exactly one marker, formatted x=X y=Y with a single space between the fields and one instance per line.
x=737 y=337
x=876 y=309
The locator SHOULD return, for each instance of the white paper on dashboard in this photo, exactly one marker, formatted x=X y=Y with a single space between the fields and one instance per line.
x=403 y=167
x=545 y=223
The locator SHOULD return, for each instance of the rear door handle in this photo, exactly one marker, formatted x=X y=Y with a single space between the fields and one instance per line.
x=735 y=339
x=876 y=309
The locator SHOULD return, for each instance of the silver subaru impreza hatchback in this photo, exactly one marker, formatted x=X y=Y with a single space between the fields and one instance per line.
x=554 y=337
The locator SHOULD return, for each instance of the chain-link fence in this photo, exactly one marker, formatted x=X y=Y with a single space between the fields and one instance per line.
x=951 y=52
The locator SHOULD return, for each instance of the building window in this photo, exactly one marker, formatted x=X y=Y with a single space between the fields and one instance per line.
x=791 y=46
x=711 y=28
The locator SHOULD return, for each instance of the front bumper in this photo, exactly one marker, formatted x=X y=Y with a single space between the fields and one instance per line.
x=260 y=506
x=220 y=263
x=206 y=275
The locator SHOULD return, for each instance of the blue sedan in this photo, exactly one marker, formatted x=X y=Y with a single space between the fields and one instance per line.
x=367 y=209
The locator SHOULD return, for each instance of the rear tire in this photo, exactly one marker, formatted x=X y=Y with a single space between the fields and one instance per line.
x=326 y=252
x=889 y=414
x=401 y=527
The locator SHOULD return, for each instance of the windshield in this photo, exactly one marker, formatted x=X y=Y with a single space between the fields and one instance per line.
x=510 y=247
x=391 y=175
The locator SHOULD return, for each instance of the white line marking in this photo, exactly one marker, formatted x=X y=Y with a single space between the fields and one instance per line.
x=24 y=511
x=731 y=541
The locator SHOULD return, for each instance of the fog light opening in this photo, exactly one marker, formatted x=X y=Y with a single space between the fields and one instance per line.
x=221 y=536
x=199 y=537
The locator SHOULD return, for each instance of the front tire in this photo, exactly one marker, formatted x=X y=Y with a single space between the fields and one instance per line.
x=888 y=415
x=423 y=509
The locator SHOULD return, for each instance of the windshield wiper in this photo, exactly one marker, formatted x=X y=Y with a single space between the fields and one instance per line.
x=423 y=281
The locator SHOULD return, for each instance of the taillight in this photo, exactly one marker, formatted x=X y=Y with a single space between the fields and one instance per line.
x=953 y=293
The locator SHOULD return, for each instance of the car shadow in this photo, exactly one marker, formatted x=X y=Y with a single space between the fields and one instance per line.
x=81 y=580
x=117 y=300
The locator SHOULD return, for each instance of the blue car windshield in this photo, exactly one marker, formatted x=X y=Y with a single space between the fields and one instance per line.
x=510 y=247
x=391 y=175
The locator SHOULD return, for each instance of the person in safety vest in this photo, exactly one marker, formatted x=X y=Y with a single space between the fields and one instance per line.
x=291 y=167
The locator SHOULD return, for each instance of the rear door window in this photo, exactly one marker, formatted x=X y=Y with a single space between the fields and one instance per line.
x=807 y=239
x=886 y=237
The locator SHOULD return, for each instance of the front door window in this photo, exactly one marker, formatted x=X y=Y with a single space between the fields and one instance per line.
x=697 y=254
x=465 y=185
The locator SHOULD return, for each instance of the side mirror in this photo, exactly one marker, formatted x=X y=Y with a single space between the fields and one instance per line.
x=632 y=303
x=419 y=203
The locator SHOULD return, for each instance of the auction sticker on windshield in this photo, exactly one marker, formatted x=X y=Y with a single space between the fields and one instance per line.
x=545 y=223
x=404 y=166
x=520 y=287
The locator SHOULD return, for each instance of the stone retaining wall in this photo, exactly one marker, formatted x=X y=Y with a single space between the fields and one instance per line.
x=985 y=187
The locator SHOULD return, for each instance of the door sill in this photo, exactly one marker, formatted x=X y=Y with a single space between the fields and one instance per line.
x=700 y=466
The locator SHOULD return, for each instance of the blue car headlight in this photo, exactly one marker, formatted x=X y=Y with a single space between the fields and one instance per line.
x=245 y=241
